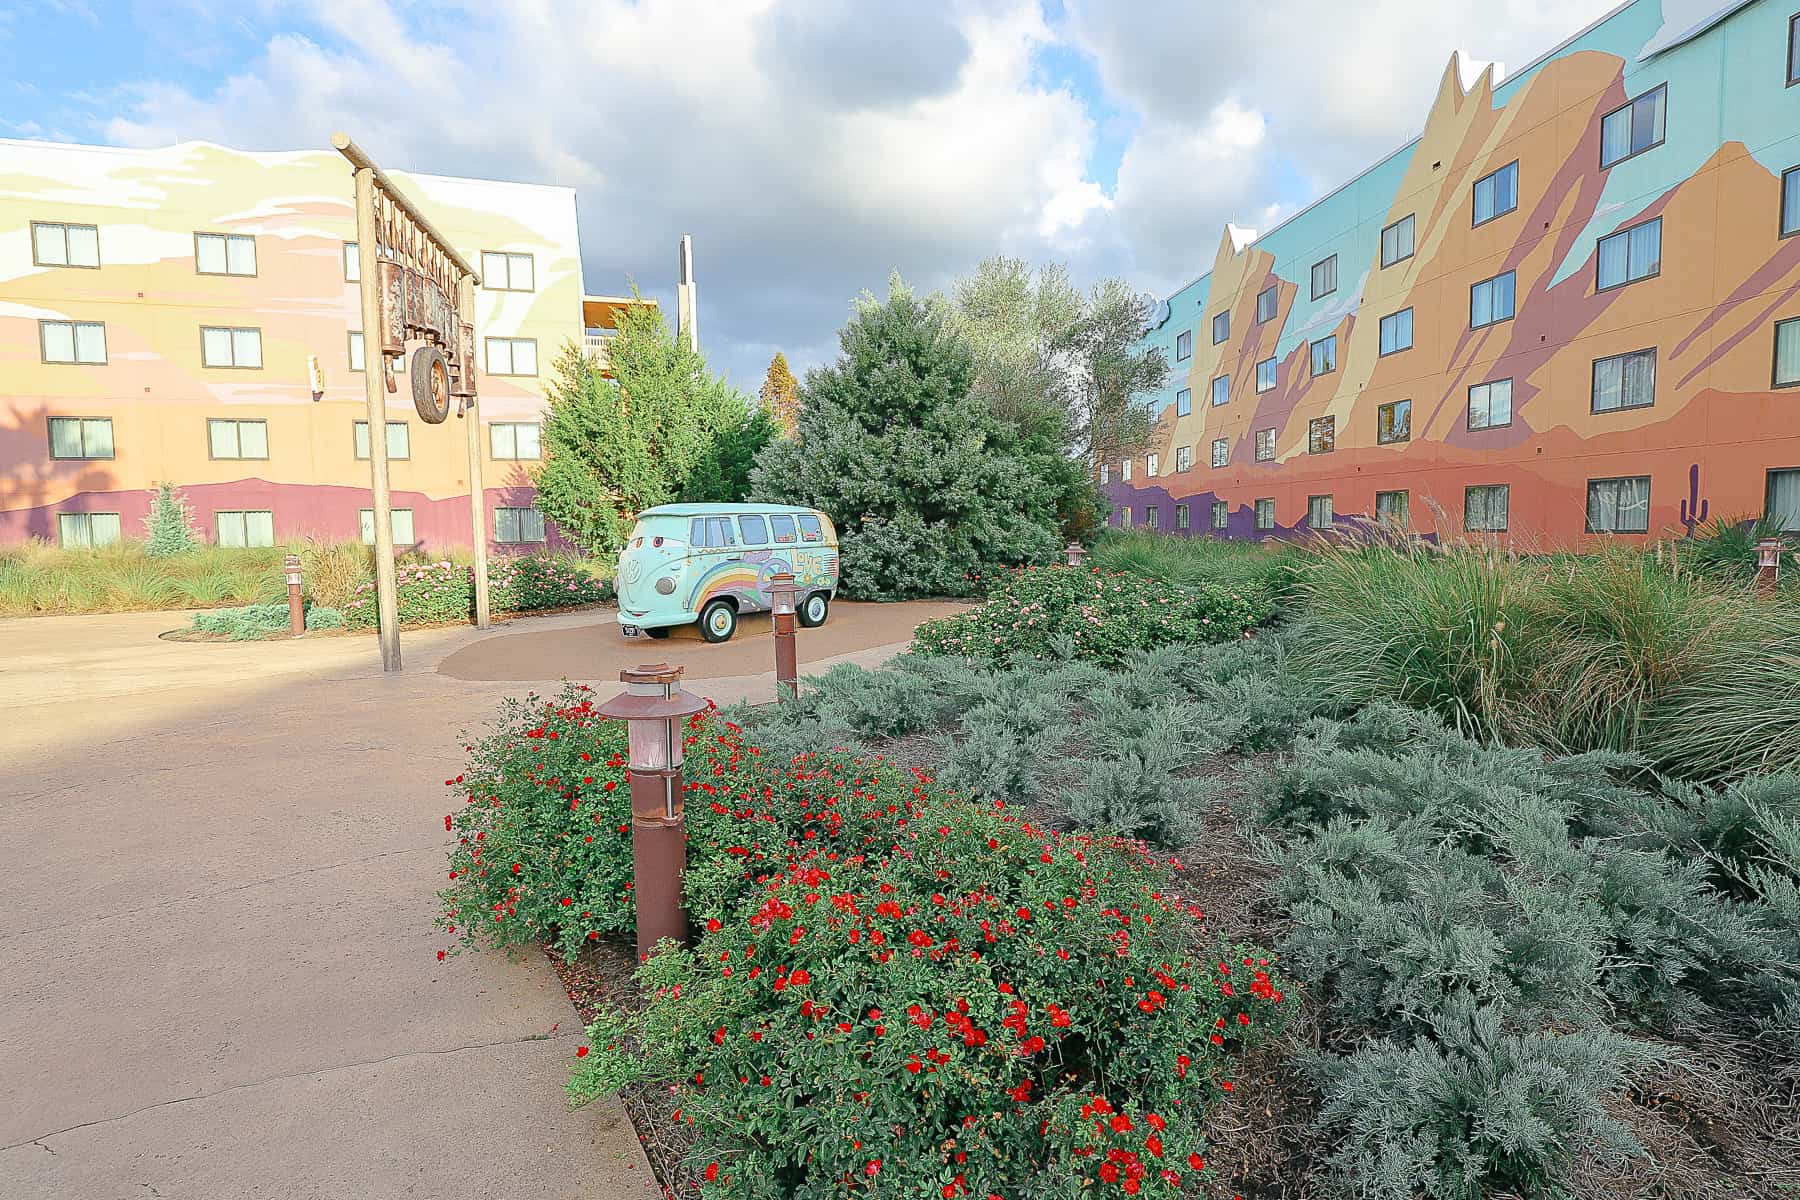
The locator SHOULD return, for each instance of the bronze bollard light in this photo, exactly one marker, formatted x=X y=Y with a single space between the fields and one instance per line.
x=296 y=612
x=782 y=591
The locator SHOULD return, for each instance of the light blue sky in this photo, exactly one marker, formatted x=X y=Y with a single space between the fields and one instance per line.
x=810 y=146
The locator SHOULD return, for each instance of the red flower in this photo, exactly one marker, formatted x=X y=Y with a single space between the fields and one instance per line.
x=1196 y=1163
x=581 y=1051
x=712 y=1171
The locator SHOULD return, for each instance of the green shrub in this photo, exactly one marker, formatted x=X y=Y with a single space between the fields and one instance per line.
x=924 y=995
x=443 y=592
x=1265 y=572
x=247 y=623
x=1727 y=550
x=320 y=617
x=538 y=581
x=1040 y=613
x=169 y=529
x=37 y=577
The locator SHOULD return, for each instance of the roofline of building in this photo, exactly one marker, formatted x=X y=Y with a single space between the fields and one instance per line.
x=1413 y=141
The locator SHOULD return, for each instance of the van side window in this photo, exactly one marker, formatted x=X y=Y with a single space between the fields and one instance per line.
x=718 y=532
x=783 y=527
x=697 y=532
x=810 y=530
x=755 y=531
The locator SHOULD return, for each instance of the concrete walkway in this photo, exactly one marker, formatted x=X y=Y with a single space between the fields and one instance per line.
x=218 y=866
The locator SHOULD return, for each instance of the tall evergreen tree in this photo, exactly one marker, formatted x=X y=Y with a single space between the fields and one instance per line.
x=925 y=485
x=169 y=528
x=781 y=396
x=613 y=447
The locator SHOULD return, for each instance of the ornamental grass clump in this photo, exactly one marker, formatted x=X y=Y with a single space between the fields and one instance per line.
x=443 y=592
x=1051 y=613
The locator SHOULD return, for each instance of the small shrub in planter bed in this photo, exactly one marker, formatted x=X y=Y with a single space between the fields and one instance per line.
x=443 y=592
x=1066 y=612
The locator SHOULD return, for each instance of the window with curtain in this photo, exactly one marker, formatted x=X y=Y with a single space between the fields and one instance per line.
x=224 y=254
x=1181 y=516
x=1397 y=332
x=1491 y=301
x=1485 y=508
x=1790 y=202
x=57 y=244
x=1265 y=376
x=1268 y=302
x=399 y=439
x=1184 y=457
x=1497 y=194
x=1318 y=512
x=1782 y=506
x=1393 y=508
x=1490 y=404
x=1321 y=435
x=1221 y=327
x=1393 y=422
x=1397 y=241
x=1221 y=452
x=1619 y=505
x=513 y=526
x=1324 y=355
x=86 y=530
x=1265 y=444
x=1184 y=402
x=73 y=342
x=402 y=526
x=1151 y=463
x=233 y=347
x=1787 y=352
x=1265 y=513
x=1184 y=345
x=515 y=440
x=1629 y=255
x=1625 y=381
x=81 y=437
x=1221 y=390
x=237 y=438
x=1221 y=514
x=1152 y=516
x=249 y=528
x=1633 y=128
x=1324 y=277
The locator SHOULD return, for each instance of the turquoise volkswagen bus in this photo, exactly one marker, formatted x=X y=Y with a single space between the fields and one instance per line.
x=710 y=563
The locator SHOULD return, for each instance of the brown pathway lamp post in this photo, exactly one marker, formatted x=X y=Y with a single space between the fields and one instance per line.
x=782 y=590
x=1768 y=564
x=1077 y=555
x=296 y=613
x=656 y=710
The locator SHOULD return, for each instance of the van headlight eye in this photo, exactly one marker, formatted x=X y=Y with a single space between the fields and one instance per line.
x=665 y=585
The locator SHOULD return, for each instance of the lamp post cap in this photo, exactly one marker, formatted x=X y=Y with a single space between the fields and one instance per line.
x=651 y=673
x=292 y=560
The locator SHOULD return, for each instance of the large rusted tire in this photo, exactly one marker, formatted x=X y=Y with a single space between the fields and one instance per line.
x=430 y=384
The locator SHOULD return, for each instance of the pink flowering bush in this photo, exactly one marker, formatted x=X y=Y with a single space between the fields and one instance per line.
x=443 y=592
x=1068 y=612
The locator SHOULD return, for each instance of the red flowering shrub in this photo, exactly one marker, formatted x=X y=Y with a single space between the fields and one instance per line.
x=898 y=992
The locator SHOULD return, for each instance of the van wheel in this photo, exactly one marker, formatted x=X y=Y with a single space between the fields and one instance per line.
x=718 y=621
x=814 y=610
x=659 y=633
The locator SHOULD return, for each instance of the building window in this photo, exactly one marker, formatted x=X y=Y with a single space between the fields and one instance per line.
x=1318 y=512
x=1324 y=355
x=1324 y=277
x=245 y=528
x=1268 y=302
x=1181 y=516
x=1393 y=422
x=224 y=254
x=1184 y=402
x=1793 y=50
x=72 y=341
x=1633 y=128
x=503 y=272
x=236 y=348
x=86 y=530
x=1491 y=301
x=1265 y=444
x=1105 y=474
x=1184 y=458
x=237 y=438
x=402 y=526
x=399 y=440
x=1629 y=255
x=56 y=244
x=1125 y=470
x=1221 y=327
x=515 y=440
x=513 y=526
x=1484 y=508
x=1221 y=390
x=352 y=263
x=1221 y=514
x=1221 y=452
x=1619 y=505
x=1265 y=376
x=358 y=359
x=1393 y=509
x=1787 y=352
x=81 y=437
x=1151 y=516
x=1490 y=404
x=1396 y=331
x=1265 y=513
x=1497 y=194
x=512 y=356
x=1321 y=435
x=1790 y=202
x=1184 y=345
x=1781 y=507
x=1151 y=462
x=1625 y=381
x=1397 y=241
x=1125 y=517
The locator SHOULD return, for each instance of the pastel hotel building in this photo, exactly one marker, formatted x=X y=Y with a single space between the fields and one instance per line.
x=191 y=315
x=1569 y=310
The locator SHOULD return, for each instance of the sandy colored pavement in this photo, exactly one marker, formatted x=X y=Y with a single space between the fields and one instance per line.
x=218 y=972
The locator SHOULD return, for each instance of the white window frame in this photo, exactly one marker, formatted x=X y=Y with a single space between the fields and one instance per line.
x=1319 y=514
x=1151 y=462
x=1183 y=520
x=1265 y=518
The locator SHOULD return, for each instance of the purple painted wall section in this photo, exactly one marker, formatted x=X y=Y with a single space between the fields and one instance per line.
x=1240 y=523
x=323 y=511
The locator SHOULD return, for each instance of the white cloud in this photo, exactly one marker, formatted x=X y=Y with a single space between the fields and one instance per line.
x=811 y=146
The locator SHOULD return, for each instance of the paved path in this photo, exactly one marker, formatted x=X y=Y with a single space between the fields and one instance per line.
x=218 y=863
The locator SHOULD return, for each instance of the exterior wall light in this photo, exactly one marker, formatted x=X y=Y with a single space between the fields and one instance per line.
x=656 y=711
